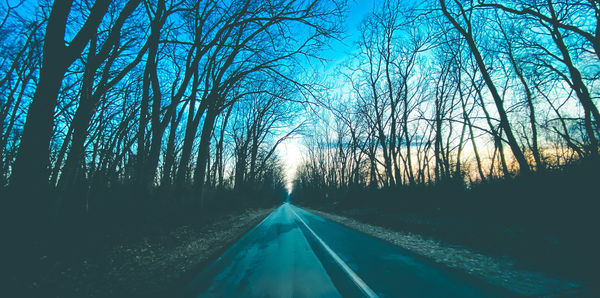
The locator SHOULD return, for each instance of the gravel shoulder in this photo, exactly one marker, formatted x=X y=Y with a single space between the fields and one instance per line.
x=497 y=271
x=151 y=267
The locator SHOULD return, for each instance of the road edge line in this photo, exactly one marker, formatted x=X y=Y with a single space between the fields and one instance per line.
x=353 y=276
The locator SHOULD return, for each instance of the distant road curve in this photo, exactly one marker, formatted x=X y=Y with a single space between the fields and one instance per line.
x=294 y=253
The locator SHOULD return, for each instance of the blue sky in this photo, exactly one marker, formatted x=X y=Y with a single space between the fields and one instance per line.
x=291 y=150
x=339 y=50
x=357 y=10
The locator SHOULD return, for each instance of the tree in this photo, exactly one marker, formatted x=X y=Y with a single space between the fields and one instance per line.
x=31 y=167
x=466 y=31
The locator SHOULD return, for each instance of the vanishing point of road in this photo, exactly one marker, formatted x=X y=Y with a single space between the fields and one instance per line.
x=294 y=253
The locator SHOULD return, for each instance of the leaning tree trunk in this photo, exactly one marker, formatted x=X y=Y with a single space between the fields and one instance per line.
x=504 y=123
x=204 y=152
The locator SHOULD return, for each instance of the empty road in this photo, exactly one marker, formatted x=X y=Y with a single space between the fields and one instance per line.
x=294 y=253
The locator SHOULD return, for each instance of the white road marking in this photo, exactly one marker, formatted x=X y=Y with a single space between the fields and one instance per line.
x=355 y=278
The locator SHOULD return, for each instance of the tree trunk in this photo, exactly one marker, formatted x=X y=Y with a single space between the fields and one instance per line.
x=529 y=97
x=190 y=135
x=30 y=176
x=579 y=87
x=167 y=178
x=203 y=152
x=504 y=123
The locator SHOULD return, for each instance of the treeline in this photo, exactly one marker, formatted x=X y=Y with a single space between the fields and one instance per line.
x=455 y=92
x=110 y=102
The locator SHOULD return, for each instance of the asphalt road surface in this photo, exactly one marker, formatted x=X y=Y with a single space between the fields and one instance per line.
x=294 y=253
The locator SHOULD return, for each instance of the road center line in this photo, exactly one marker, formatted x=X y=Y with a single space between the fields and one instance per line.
x=355 y=278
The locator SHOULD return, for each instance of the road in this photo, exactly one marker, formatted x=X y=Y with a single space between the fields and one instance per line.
x=294 y=253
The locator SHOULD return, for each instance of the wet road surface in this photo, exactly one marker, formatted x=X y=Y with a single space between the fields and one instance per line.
x=294 y=253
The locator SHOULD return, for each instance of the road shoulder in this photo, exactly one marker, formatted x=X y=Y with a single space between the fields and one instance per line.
x=496 y=271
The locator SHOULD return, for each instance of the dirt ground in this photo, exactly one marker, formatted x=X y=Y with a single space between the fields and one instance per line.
x=151 y=266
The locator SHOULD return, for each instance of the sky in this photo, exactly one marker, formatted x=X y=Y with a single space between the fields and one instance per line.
x=291 y=150
x=357 y=11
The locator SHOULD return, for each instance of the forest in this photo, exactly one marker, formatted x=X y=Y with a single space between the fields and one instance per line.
x=464 y=92
x=473 y=121
x=482 y=115
x=149 y=99
x=135 y=112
